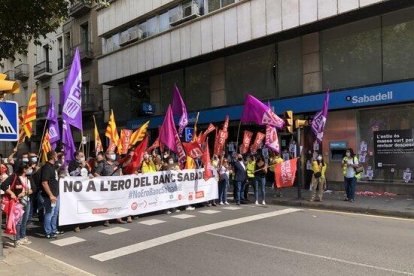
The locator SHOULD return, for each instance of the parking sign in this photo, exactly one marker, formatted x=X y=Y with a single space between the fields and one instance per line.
x=188 y=131
x=9 y=127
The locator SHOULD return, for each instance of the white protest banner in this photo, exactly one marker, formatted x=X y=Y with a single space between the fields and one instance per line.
x=101 y=198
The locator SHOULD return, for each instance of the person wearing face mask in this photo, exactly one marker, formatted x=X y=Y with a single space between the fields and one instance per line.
x=25 y=158
x=349 y=164
x=318 y=178
x=109 y=167
x=79 y=166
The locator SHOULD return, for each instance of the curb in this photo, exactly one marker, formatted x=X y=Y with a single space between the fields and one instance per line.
x=352 y=209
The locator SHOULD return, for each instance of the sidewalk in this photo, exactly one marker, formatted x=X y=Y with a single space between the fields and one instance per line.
x=25 y=261
x=385 y=205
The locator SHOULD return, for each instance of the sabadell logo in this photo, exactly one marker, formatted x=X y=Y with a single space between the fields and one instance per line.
x=371 y=98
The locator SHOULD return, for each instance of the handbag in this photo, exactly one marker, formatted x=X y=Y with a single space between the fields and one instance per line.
x=359 y=169
x=317 y=174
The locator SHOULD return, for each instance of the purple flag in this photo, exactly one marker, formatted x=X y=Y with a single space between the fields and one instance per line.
x=72 y=94
x=168 y=133
x=319 y=121
x=179 y=108
x=254 y=111
x=68 y=143
x=51 y=116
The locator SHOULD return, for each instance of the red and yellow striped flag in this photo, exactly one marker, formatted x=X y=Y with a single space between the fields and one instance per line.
x=98 y=142
x=46 y=146
x=30 y=115
x=22 y=133
x=112 y=133
x=139 y=134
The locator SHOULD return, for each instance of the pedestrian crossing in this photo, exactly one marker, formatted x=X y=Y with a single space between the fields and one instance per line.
x=191 y=227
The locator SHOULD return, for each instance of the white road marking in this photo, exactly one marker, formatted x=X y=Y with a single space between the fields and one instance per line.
x=114 y=230
x=313 y=255
x=67 y=241
x=152 y=222
x=359 y=214
x=183 y=216
x=231 y=208
x=209 y=212
x=134 y=248
x=58 y=261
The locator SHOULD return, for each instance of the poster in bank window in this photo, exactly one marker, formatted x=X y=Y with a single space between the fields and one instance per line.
x=102 y=198
x=394 y=149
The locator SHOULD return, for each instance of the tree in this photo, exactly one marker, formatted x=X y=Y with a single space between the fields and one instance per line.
x=23 y=21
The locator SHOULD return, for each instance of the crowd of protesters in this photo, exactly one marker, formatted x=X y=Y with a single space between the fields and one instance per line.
x=36 y=187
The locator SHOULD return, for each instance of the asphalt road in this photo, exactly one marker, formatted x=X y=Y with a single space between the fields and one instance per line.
x=270 y=240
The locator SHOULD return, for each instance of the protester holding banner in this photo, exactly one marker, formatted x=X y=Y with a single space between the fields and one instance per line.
x=224 y=173
x=50 y=195
x=318 y=178
x=250 y=168
x=79 y=166
x=260 y=179
x=349 y=164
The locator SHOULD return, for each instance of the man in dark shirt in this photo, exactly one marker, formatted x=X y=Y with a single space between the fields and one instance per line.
x=50 y=194
x=76 y=166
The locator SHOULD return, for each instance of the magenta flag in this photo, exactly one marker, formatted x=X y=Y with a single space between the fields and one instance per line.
x=272 y=140
x=319 y=121
x=179 y=109
x=254 y=111
x=67 y=140
x=168 y=133
x=51 y=116
x=72 y=94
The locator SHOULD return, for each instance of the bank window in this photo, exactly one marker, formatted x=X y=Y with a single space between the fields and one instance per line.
x=351 y=54
x=197 y=86
x=251 y=72
x=167 y=83
x=397 y=37
x=289 y=67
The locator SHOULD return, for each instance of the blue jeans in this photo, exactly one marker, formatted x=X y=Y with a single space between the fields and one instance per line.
x=51 y=216
x=223 y=184
x=21 y=226
x=239 y=191
x=260 y=184
x=350 y=184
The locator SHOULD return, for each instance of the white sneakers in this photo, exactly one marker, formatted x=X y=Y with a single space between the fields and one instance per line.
x=263 y=202
x=256 y=202
x=24 y=241
x=190 y=208
x=221 y=203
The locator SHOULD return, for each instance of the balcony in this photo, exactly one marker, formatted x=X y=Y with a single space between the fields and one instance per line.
x=60 y=63
x=79 y=8
x=21 y=71
x=42 y=70
x=85 y=50
x=10 y=74
x=89 y=102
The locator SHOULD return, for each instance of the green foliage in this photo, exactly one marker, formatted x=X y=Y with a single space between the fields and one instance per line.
x=22 y=21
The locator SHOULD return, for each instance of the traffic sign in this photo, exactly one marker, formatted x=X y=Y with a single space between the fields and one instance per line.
x=188 y=134
x=9 y=126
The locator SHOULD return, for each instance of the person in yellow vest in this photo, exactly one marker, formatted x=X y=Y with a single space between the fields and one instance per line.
x=250 y=168
x=274 y=160
x=148 y=165
x=318 y=178
x=349 y=165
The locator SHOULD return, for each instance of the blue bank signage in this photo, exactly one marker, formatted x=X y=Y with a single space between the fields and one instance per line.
x=344 y=99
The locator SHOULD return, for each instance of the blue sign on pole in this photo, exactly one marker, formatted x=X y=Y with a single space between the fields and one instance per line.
x=9 y=126
x=188 y=134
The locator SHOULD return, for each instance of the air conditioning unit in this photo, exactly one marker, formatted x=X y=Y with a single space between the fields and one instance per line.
x=189 y=10
x=135 y=33
x=124 y=38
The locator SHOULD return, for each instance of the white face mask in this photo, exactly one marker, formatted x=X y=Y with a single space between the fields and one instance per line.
x=82 y=159
x=319 y=158
x=112 y=157
x=348 y=154
x=33 y=159
x=29 y=171
x=170 y=162
x=25 y=159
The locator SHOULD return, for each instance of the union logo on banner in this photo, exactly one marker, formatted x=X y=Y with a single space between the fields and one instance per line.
x=285 y=173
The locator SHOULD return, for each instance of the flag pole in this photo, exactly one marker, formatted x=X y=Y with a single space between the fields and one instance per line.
x=195 y=123
x=238 y=134
x=41 y=141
